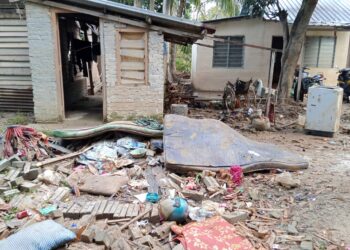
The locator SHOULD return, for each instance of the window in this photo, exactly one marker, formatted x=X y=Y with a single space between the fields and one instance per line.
x=229 y=55
x=132 y=57
x=319 y=51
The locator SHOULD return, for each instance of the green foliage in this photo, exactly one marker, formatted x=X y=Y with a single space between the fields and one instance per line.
x=183 y=58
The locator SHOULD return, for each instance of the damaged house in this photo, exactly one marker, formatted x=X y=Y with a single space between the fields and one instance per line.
x=326 y=48
x=99 y=56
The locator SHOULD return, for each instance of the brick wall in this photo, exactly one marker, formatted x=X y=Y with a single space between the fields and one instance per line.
x=124 y=101
x=42 y=63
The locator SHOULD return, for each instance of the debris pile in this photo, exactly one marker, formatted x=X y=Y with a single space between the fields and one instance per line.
x=114 y=191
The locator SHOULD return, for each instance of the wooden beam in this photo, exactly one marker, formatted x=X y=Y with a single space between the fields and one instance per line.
x=119 y=19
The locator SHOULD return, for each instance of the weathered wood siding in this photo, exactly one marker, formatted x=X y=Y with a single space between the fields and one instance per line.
x=15 y=74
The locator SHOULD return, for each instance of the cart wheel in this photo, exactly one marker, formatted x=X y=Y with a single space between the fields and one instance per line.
x=229 y=99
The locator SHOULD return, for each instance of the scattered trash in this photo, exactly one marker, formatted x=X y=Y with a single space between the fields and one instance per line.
x=152 y=197
x=173 y=209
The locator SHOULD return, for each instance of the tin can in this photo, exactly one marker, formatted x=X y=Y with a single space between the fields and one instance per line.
x=22 y=214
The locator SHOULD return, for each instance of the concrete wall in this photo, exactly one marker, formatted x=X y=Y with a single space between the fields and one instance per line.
x=123 y=101
x=42 y=62
x=256 y=61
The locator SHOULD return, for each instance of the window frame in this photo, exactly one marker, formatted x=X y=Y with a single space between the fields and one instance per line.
x=119 y=33
x=319 y=42
x=228 y=52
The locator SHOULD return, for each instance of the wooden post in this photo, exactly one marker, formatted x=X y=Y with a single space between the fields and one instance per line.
x=272 y=64
x=300 y=76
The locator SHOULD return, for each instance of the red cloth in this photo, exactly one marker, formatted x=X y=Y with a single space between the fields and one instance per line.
x=214 y=233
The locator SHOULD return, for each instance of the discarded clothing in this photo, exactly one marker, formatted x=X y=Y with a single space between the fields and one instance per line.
x=122 y=126
x=212 y=233
x=44 y=235
x=198 y=144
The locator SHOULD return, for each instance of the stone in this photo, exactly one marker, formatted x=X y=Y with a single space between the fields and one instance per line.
x=154 y=215
x=28 y=186
x=99 y=236
x=179 y=109
x=164 y=229
x=276 y=214
x=306 y=245
x=286 y=180
x=32 y=174
x=211 y=184
x=135 y=232
x=88 y=234
x=254 y=194
x=291 y=229
x=176 y=179
x=56 y=214
x=193 y=195
x=235 y=216
x=120 y=244
x=261 y=124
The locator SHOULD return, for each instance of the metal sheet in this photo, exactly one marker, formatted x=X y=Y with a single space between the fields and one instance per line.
x=191 y=144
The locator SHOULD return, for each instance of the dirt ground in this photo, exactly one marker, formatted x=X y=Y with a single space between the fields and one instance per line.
x=320 y=206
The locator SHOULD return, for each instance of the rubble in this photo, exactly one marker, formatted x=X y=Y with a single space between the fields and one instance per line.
x=110 y=197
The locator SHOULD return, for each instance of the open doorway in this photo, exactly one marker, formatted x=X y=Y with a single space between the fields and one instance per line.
x=277 y=43
x=81 y=66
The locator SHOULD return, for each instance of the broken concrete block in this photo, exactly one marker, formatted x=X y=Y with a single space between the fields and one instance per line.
x=179 y=109
x=175 y=178
x=154 y=216
x=4 y=188
x=261 y=124
x=5 y=163
x=56 y=214
x=164 y=229
x=12 y=174
x=306 y=245
x=286 y=180
x=11 y=192
x=16 y=182
x=88 y=234
x=235 y=216
x=99 y=236
x=27 y=186
x=193 y=195
x=26 y=167
x=135 y=232
x=32 y=174
x=211 y=184
x=60 y=194
x=18 y=164
x=120 y=244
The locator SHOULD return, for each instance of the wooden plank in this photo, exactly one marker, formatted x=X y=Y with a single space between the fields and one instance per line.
x=14 y=45
x=131 y=82
x=15 y=71
x=13 y=28
x=117 y=210
x=133 y=75
x=14 y=34
x=14 y=51
x=14 y=58
x=13 y=22
x=102 y=207
x=132 y=53
x=13 y=39
x=124 y=210
x=88 y=207
x=96 y=207
x=131 y=65
x=132 y=44
x=14 y=64
x=135 y=211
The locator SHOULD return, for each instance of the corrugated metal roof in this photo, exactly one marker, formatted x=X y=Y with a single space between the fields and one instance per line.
x=332 y=13
x=327 y=12
x=134 y=13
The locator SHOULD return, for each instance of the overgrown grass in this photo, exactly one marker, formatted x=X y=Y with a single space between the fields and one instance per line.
x=183 y=58
x=18 y=119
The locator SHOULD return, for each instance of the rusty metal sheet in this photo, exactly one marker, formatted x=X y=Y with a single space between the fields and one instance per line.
x=198 y=144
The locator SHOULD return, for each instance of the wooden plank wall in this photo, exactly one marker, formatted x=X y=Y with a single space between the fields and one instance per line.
x=15 y=75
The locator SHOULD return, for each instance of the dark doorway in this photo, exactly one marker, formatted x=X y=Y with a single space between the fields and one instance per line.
x=81 y=66
x=277 y=43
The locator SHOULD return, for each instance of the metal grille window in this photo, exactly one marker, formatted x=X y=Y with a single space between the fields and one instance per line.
x=229 y=55
x=319 y=51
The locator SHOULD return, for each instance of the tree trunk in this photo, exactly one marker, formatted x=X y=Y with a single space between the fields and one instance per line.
x=151 y=5
x=172 y=49
x=293 y=47
x=137 y=3
x=285 y=29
